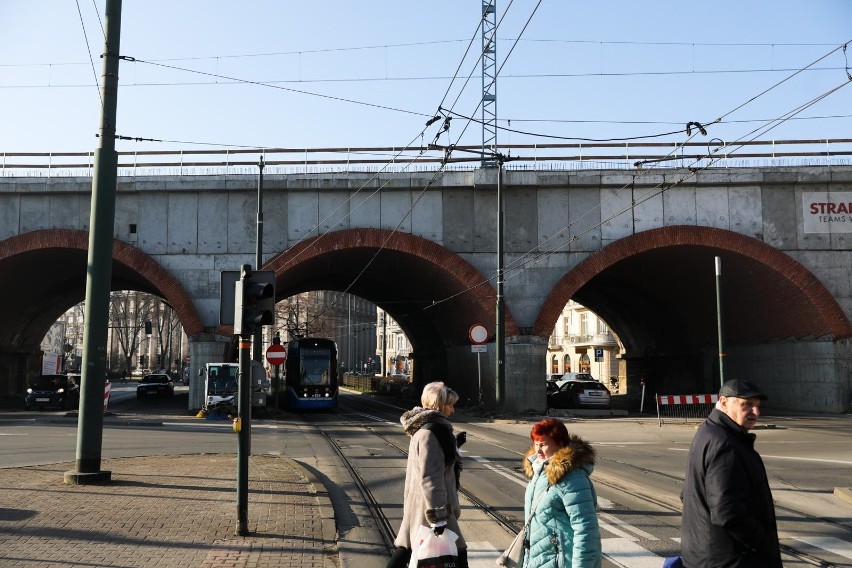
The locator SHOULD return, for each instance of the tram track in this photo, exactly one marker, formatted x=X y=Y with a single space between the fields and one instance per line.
x=786 y=549
x=387 y=530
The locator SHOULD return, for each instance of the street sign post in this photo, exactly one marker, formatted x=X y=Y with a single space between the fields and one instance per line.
x=478 y=335
x=276 y=354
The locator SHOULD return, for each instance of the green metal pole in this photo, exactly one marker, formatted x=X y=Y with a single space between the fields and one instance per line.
x=243 y=417
x=98 y=283
x=719 y=323
x=258 y=260
x=500 y=325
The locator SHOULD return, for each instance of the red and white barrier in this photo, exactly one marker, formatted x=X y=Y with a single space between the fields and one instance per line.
x=107 y=388
x=684 y=407
x=665 y=399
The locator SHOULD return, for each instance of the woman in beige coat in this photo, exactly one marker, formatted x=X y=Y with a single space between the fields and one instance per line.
x=431 y=474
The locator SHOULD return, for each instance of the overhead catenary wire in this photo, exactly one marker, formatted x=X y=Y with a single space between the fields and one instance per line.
x=514 y=269
x=89 y=51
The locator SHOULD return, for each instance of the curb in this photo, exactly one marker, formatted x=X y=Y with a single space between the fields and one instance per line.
x=327 y=520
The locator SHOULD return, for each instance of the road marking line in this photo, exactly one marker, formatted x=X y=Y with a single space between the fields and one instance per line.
x=501 y=471
x=829 y=543
x=783 y=457
x=635 y=530
x=481 y=555
x=627 y=554
x=806 y=459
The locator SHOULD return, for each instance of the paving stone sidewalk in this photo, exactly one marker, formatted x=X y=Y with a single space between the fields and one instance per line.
x=166 y=511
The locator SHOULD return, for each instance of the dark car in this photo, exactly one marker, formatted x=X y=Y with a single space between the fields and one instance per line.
x=53 y=391
x=578 y=394
x=156 y=385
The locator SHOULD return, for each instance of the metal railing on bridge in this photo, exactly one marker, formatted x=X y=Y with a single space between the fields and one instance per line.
x=536 y=157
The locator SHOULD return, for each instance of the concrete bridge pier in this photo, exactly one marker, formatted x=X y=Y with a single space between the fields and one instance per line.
x=204 y=348
x=525 y=387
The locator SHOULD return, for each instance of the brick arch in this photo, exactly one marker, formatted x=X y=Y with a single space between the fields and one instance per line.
x=122 y=253
x=814 y=293
x=466 y=277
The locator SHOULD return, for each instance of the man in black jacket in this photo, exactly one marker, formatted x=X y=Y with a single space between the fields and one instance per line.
x=728 y=514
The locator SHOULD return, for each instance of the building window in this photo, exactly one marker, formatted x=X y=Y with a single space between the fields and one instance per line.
x=567 y=366
x=567 y=323
x=554 y=365
x=584 y=324
x=585 y=364
x=603 y=329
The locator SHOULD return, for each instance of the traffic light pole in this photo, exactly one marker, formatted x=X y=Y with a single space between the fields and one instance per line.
x=243 y=427
x=99 y=281
x=243 y=422
x=254 y=306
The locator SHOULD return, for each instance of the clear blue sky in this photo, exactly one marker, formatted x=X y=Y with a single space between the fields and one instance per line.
x=378 y=69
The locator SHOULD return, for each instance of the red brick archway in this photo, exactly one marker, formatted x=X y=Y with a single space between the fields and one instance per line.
x=137 y=262
x=813 y=300
x=432 y=259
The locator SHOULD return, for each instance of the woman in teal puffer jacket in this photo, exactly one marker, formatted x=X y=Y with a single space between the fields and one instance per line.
x=564 y=528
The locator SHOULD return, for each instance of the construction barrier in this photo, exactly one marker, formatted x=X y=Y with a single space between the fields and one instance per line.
x=107 y=388
x=683 y=408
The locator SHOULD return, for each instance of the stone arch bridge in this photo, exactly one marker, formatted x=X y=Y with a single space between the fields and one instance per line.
x=637 y=248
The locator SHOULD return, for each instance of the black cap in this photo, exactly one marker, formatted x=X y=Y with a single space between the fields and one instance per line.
x=741 y=389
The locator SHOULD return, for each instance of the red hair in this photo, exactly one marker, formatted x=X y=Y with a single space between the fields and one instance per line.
x=550 y=427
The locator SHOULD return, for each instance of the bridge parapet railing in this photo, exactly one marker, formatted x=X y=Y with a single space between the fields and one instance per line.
x=684 y=408
x=536 y=157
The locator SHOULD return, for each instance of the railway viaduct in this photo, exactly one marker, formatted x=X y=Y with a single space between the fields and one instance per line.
x=638 y=248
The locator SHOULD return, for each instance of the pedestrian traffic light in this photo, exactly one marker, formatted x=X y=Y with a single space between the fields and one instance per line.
x=254 y=300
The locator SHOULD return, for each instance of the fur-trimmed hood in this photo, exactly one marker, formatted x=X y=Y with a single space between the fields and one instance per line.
x=578 y=453
x=414 y=419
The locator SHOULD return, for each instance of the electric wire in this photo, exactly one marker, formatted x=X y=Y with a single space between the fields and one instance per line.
x=693 y=171
x=288 y=89
x=89 y=51
x=514 y=268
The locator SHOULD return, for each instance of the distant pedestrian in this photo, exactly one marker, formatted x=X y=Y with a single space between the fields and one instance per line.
x=728 y=514
x=560 y=501
x=432 y=473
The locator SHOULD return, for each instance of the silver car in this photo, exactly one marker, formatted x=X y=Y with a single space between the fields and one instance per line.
x=578 y=394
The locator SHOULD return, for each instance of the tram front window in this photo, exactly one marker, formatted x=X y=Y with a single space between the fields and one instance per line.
x=314 y=367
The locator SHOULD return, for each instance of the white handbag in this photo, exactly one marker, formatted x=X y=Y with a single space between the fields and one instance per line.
x=513 y=557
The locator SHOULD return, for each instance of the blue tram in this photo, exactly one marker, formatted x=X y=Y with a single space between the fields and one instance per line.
x=310 y=374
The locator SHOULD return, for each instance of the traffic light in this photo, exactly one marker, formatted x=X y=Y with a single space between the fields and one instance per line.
x=254 y=300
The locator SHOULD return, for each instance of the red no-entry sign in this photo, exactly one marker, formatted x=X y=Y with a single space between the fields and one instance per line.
x=276 y=354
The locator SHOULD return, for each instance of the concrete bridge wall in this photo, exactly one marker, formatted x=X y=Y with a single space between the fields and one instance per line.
x=195 y=227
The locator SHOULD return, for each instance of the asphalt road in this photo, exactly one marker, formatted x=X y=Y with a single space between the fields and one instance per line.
x=638 y=475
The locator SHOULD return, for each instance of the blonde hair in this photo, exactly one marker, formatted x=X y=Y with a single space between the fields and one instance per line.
x=437 y=395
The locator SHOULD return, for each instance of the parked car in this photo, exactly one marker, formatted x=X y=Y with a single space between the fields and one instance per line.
x=577 y=377
x=554 y=376
x=578 y=394
x=53 y=391
x=156 y=385
x=552 y=386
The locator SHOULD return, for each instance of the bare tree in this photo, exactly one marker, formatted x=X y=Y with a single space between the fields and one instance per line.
x=304 y=315
x=168 y=332
x=128 y=312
